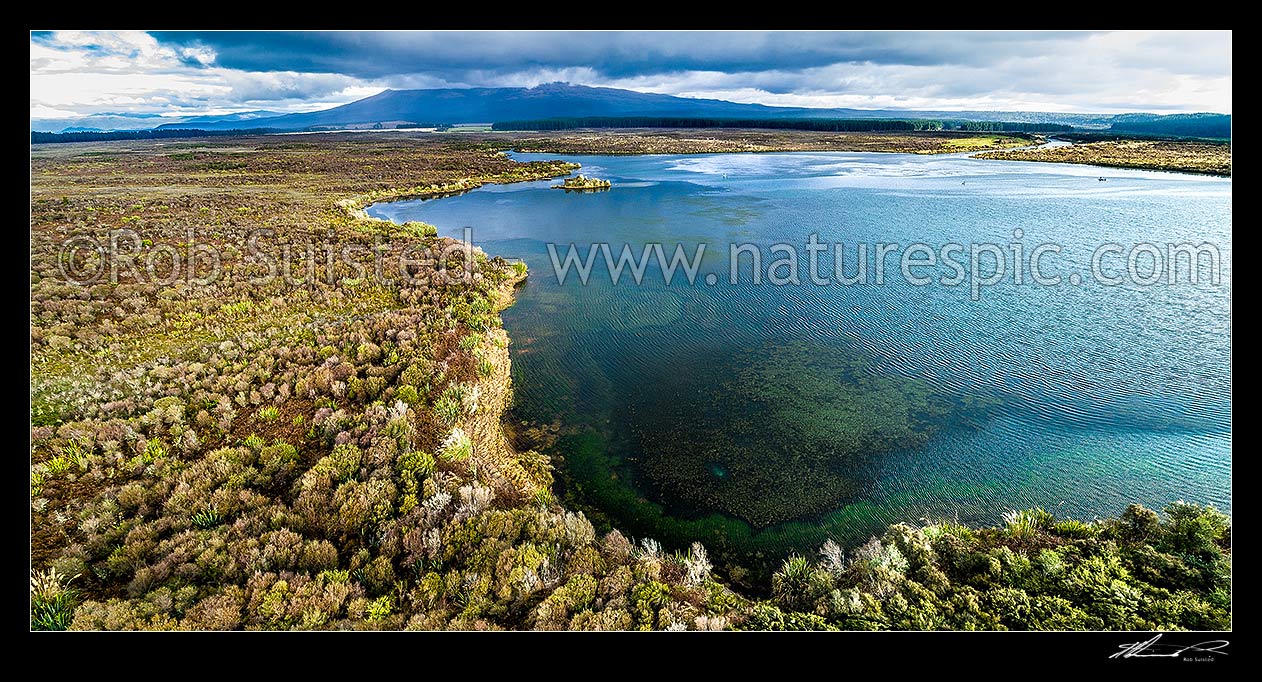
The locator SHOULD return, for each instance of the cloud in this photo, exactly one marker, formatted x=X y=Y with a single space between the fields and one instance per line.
x=93 y=72
x=82 y=73
x=377 y=54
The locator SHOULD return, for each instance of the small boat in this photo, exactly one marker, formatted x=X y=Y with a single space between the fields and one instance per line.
x=1102 y=179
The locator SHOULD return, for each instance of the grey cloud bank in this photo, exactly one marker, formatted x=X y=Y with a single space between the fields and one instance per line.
x=188 y=73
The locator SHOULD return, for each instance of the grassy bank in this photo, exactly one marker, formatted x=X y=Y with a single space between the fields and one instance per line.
x=1210 y=158
x=717 y=141
x=320 y=447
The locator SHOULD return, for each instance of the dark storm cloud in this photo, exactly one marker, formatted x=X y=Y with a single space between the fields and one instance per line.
x=454 y=55
x=82 y=72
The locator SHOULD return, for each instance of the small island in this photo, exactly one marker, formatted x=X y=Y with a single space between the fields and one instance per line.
x=583 y=184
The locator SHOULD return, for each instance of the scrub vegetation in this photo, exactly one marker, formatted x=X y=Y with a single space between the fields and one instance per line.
x=324 y=450
x=1184 y=156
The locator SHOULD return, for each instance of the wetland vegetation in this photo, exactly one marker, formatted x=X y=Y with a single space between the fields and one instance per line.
x=1182 y=156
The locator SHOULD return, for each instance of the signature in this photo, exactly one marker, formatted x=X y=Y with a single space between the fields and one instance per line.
x=1152 y=649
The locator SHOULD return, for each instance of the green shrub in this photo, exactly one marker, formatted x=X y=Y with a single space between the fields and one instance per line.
x=1194 y=530
x=268 y=414
x=408 y=394
x=457 y=447
x=450 y=405
x=419 y=229
x=342 y=464
x=485 y=367
x=1027 y=523
x=379 y=609
x=52 y=600
x=647 y=600
x=1138 y=524
x=1073 y=528
x=207 y=518
x=56 y=466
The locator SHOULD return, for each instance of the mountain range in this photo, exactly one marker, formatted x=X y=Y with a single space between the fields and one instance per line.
x=489 y=105
x=441 y=107
x=129 y=121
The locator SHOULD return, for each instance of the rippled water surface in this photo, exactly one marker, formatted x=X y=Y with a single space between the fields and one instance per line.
x=764 y=418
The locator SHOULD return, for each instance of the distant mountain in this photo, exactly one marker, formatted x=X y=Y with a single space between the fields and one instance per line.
x=488 y=105
x=201 y=121
x=560 y=100
x=394 y=108
x=491 y=105
x=106 y=122
x=99 y=122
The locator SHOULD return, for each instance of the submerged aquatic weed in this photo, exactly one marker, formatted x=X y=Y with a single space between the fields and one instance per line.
x=780 y=432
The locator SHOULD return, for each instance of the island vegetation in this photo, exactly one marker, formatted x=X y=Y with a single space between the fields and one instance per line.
x=316 y=446
x=583 y=183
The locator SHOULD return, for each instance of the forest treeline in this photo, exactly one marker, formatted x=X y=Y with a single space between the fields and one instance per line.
x=155 y=134
x=1177 y=125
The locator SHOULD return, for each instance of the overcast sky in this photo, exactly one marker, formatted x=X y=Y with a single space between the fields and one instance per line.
x=75 y=73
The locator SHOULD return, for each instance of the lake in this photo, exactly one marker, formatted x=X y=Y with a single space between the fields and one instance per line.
x=764 y=418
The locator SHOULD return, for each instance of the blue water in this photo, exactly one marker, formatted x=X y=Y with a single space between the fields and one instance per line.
x=1080 y=399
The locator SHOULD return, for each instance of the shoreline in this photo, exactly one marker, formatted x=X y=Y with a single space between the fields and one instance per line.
x=1182 y=156
x=637 y=141
x=1119 y=166
x=1169 y=156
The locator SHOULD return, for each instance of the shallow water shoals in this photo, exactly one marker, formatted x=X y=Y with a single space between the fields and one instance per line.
x=781 y=431
x=1080 y=399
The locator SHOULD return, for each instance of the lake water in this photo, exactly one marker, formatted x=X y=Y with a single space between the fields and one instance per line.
x=762 y=419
